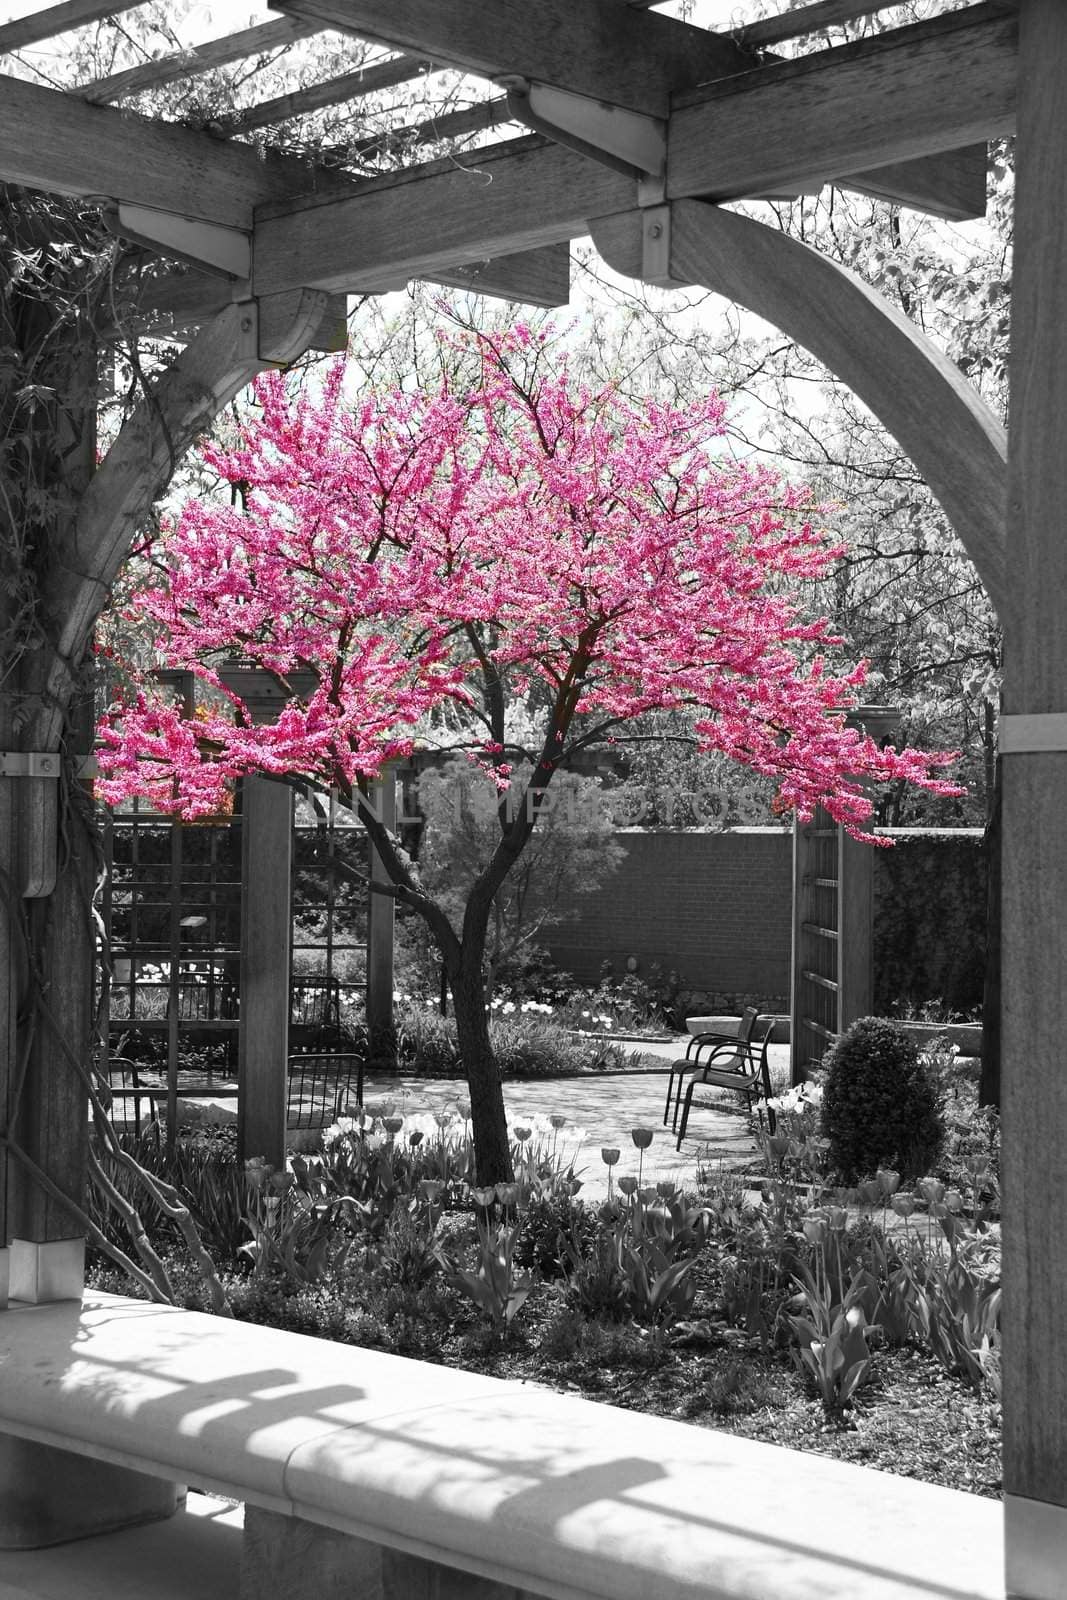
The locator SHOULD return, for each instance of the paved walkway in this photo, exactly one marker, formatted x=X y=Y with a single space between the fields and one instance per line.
x=604 y=1109
x=601 y=1110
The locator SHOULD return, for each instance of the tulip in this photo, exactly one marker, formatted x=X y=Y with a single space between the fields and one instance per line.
x=642 y=1138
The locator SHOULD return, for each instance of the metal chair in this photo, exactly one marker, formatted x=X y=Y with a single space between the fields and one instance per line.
x=320 y=1087
x=126 y=1086
x=692 y=1061
x=739 y=1066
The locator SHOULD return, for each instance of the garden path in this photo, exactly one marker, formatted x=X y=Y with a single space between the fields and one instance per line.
x=605 y=1107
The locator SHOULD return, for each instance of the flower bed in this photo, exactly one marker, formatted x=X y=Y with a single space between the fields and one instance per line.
x=864 y=1323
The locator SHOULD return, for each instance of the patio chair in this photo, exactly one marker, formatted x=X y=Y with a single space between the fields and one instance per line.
x=321 y=1087
x=128 y=1089
x=737 y=1066
x=693 y=1061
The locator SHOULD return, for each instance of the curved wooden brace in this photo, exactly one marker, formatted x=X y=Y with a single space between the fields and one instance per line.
x=924 y=400
x=239 y=342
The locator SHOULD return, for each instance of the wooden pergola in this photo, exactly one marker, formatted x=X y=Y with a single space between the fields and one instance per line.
x=643 y=130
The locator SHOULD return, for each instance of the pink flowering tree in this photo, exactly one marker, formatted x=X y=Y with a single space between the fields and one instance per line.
x=410 y=565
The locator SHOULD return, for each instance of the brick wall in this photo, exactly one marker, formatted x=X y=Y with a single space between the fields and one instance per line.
x=714 y=907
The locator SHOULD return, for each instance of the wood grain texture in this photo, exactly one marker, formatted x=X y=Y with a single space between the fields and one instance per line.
x=56 y=142
x=381 y=917
x=1034 y=876
x=484 y=204
x=952 y=184
x=593 y=47
x=266 y=853
x=808 y=19
x=200 y=58
x=530 y=277
x=920 y=90
x=330 y=92
x=855 y=970
x=923 y=399
x=54 y=20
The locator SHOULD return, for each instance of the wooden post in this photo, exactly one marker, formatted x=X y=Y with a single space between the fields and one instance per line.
x=1033 y=743
x=266 y=856
x=381 y=921
x=855 y=930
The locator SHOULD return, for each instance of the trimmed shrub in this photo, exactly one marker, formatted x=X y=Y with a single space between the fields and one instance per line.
x=881 y=1106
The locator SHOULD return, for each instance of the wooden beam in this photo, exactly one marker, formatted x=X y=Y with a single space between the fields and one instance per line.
x=56 y=142
x=199 y=58
x=1034 y=871
x=951 y=185
x=177 y=304
x=531 y=277
x=332 y=91
x=592 y=47
x=914 y=92
x=453 y=124
x=59 y=19
x=866 y=342
x=266 y=922
x=807 y=19
x=483 y=203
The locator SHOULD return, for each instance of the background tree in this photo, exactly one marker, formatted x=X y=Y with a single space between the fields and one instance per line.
x=571 y=852
x=430 y=557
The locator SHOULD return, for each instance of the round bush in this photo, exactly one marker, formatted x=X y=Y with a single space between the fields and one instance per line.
x=880 y=1105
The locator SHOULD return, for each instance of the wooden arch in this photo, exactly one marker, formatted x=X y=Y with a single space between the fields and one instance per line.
x=888 y=362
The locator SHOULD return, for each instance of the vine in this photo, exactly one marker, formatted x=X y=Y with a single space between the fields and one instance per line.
x=64 y=290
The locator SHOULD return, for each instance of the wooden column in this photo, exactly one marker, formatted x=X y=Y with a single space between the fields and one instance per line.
x=266 y=858
x=1033 y=741
x=381 y=920
x=855 y=930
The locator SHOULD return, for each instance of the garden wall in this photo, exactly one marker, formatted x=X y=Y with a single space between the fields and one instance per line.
x=716 y=908
x=711 y=906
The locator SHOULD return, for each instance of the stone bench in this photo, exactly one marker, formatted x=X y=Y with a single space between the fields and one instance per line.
x=378 y=1478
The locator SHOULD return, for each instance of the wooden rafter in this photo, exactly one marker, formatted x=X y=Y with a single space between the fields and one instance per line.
x=56 y=142
x=807 y=19
x=514 y=196
x=914 y=92
x=200 y=58
x=596 y=47
x=451 y=125
x=47 y=24
x=332 y=91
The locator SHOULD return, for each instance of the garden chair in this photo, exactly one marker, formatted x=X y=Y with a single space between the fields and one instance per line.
x=129 y=1089
x=320 y=1087
x=739 y=1066
x=693 y=1061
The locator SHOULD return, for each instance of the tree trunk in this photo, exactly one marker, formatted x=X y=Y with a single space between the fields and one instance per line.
x=492 y=1149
